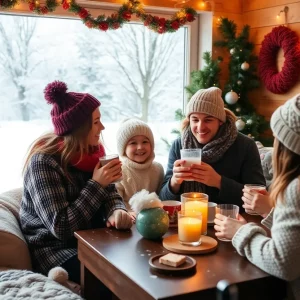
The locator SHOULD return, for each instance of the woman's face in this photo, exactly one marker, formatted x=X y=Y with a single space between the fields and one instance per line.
x=204 y=127
x=97 y=127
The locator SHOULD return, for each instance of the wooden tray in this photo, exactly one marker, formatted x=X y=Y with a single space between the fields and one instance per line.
x=189 y=265
x=208 y=244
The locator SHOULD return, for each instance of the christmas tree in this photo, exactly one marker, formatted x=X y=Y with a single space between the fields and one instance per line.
x=242 y=78
x=200 y=79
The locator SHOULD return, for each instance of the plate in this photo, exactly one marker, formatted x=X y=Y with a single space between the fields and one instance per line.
x=189 y=264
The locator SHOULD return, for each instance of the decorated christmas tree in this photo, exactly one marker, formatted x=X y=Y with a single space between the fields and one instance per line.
x=242 y=78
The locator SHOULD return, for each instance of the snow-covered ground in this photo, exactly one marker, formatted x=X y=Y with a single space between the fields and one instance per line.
x=17 y=136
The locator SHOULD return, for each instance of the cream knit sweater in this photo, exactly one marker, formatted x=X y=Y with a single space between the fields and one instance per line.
x=148 y=176
x=278 y=255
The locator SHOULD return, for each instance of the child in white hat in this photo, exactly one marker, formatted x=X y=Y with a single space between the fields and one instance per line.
x=135 y=144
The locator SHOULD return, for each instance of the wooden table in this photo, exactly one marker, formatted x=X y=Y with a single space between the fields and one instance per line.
x=120 y=260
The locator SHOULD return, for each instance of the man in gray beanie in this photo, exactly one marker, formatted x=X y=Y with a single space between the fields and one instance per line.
x=229 y=158
x=135 y=144
x=277 y=253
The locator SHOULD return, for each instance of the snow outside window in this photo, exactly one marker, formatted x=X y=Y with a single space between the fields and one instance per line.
x=133 y=71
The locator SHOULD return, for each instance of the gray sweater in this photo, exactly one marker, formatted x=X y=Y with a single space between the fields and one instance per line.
x=278 y=255
x=239 y=165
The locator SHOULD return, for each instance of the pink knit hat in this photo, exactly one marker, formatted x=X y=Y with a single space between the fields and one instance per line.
x=69 y=110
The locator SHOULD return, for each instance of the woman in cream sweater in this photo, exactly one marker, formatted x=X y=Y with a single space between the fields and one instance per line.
x=279 y=254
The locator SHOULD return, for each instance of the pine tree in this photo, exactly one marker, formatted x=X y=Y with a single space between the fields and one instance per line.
x=242 y=78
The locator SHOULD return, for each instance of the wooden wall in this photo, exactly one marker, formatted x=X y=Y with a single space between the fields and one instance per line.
x=261 y=15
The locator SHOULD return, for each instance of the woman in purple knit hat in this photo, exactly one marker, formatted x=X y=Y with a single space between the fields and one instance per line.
x=65 y=189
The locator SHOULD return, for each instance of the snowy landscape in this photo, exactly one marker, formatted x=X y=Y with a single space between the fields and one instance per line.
x=132 y=71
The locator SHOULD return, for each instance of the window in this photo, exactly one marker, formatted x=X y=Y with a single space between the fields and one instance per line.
x=132 y=71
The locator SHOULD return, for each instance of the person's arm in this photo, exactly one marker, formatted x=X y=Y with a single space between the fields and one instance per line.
x=278 y=255
x=251 y=172
x=166 y=193
x=45 y=182
x=161 y=174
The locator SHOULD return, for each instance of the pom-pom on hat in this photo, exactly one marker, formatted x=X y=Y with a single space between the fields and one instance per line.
x=285 y=124
x=69 y=110
x=130 y=128
x=207 y=101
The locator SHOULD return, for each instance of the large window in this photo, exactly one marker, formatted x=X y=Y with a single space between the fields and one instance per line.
x=133 y=71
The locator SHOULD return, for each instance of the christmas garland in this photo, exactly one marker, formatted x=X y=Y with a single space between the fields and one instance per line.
x=280 y=82
x=115 y=20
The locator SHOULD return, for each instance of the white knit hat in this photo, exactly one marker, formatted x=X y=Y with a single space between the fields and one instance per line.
x=285 y=124
x=207 y=101
x=130 y=128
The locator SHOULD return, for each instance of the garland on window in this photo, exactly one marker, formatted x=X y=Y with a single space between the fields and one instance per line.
x=280 y=82
x=115 y=20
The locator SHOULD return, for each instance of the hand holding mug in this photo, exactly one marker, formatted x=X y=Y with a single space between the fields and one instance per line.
x=108 y=173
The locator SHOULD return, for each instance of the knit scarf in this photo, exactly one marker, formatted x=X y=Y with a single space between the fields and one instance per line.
x=88 y=161
x=213 y=151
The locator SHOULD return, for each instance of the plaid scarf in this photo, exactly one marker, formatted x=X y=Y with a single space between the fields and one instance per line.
x=213 y=150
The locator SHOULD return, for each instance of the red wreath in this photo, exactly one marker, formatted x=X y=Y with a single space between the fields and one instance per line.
x=279 y=82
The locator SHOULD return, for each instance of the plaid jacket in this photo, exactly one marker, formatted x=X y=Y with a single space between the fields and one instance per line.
x=53 y=208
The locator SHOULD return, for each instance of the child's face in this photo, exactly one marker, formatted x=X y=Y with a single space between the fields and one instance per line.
x=138 y=149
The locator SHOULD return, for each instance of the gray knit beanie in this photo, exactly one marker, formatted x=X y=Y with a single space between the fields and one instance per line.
x=130 y=128
x=207 y=101
x=285 y=124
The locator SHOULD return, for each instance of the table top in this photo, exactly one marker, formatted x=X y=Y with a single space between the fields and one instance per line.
x=128 y=253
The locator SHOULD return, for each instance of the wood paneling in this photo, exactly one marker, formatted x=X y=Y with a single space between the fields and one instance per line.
x=268 y=16
x=259 y=4
x=261 y=16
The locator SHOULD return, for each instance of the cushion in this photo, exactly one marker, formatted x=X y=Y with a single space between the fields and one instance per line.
x=266 y=162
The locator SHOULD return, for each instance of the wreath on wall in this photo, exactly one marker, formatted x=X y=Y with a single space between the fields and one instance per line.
x=115 y=20
x=275 y=81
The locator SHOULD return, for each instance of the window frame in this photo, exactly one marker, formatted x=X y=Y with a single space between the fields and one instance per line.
x=193 y=40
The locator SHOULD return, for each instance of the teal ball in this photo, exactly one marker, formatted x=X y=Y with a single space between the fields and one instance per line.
x=152 y=223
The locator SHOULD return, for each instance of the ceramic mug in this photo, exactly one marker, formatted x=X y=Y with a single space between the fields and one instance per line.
x=212 y=210
x=172 y=207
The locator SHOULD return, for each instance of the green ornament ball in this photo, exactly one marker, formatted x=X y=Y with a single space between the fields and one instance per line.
x=152 y=223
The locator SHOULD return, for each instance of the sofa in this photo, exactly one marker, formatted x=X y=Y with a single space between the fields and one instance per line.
x=16 y=276
x=266 y=162
x=14 y=253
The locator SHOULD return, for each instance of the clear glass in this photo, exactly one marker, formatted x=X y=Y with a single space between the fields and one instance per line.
x=197 y=202
x=133 y=71
x=189 y=227
x=228 y=210
x=191 y=156
x=257 y=188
